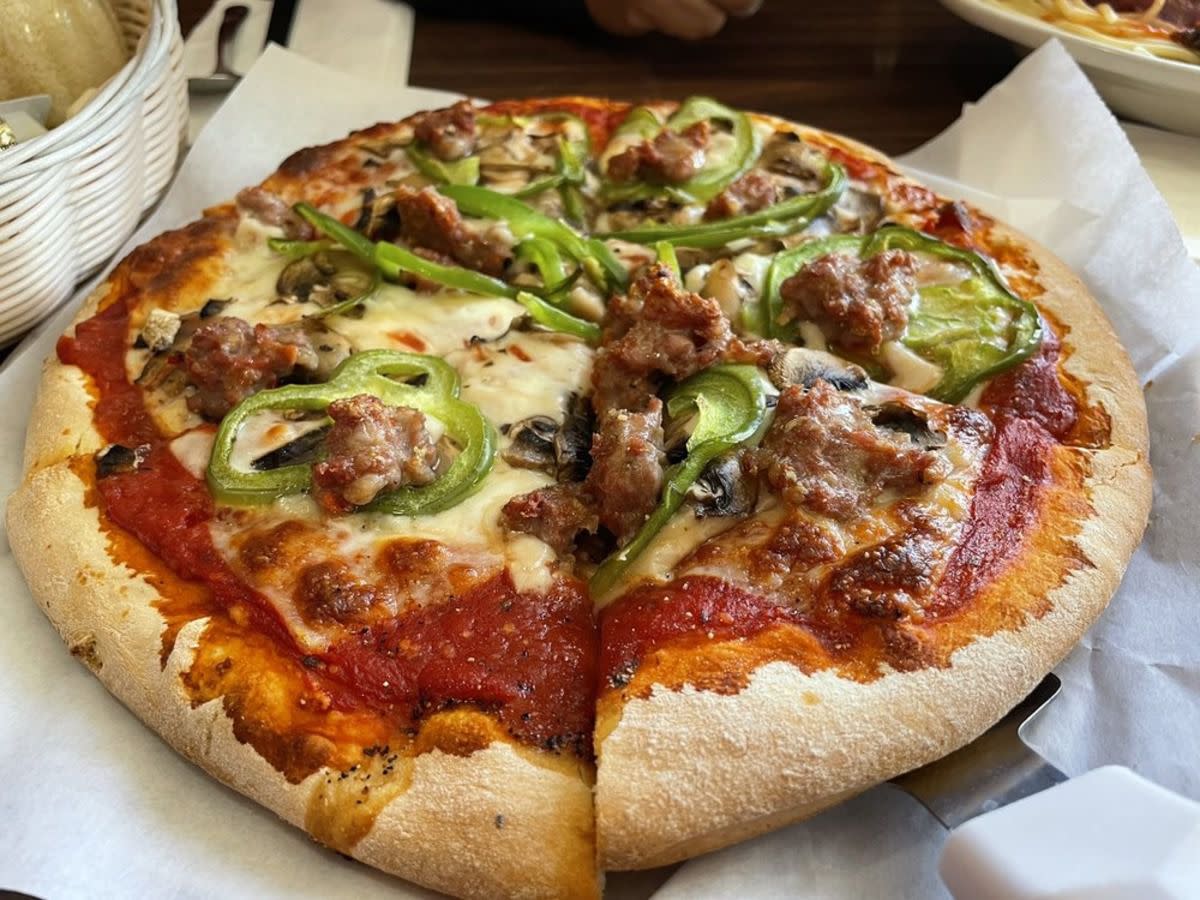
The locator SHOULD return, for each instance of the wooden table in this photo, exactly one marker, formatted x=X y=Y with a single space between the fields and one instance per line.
x=892 y=73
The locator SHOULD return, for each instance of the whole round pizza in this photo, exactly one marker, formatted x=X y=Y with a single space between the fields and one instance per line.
x=517 y=492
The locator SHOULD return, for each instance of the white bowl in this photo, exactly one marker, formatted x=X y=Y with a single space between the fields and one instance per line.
x=1163 y=92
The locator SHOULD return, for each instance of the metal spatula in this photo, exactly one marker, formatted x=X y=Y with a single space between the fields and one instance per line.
x=1034 y=834
x=995 y=769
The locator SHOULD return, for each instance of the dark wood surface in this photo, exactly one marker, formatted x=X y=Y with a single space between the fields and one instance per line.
x=892 y=73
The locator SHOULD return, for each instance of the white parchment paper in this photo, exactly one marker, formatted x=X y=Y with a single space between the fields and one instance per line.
x=94 y=804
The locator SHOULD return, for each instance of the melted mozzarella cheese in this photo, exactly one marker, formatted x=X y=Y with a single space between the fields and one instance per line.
x=194 y=448
x=508 y=375
x=262 y=433
x=679 y=537
x=910 y=372
x=397 y=318
x=524 y=374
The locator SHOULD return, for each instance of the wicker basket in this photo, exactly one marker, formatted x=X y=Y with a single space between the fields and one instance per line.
x=71 y=197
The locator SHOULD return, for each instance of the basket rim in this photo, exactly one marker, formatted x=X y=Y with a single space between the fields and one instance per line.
x=129 y=82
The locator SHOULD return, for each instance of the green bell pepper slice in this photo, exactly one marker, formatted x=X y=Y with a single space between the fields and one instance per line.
x=714 y=176
x=294 y=250
x=780 y=220
x=555 y=319
x=731 y=405
x=372 y=372
x=392 y=259
x=459 y=171
x=664 y=251
x=568 y=170
x=526 y=222
x=972 y=330
x=543 y=255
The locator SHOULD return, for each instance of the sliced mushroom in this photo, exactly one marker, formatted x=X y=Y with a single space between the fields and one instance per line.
x=802 y=366
x=213 y=307
x=299 y=449
x=162 y=374
x=364 y=214
x=724 y=489
x=573 y=443
x=325 y=278
x=727 y=286
x=377 y=219
x=858 y=211
x=301 y=277
x=332 y=349
x=532 y=445
x=118 y=459
x=542 y=444
x=787 y=154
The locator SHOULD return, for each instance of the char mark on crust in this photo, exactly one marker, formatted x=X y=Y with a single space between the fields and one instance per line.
x=671 y=157
x=430 y=221
x=824 y=453
x=305 y=161
x=229 y=359
x=449 y=132
x=372 y=448
x=859 y=304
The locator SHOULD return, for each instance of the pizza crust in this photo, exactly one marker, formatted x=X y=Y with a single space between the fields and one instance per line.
x=440 y=831
x=685 y=772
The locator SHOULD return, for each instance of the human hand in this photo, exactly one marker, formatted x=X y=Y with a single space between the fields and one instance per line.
x=687 y=19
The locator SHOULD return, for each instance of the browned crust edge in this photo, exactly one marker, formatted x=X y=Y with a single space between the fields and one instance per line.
x=684 y=772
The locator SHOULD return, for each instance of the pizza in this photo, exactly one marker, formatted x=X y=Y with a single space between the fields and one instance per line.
x=1167 y=29
x=517 y=492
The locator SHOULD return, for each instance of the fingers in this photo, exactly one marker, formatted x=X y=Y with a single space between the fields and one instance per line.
x=687 y=19
x=739 y=9
x=691 y=20
x=621 y=17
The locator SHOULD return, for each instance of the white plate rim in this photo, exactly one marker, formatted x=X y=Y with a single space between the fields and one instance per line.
x=1032 y=33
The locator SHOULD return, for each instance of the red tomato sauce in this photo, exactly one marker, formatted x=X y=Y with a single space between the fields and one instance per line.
x=1033 y=390
x=655 y=615
x=1004 y=508
x=527 y=659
